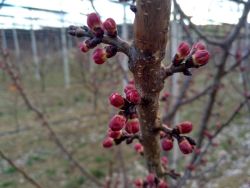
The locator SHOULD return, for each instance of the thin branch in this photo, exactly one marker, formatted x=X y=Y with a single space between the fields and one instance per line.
x=122 y=46
x=21 y=171
x=16 y=81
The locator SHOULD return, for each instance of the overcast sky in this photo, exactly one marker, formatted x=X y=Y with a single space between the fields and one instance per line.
x=202 y=12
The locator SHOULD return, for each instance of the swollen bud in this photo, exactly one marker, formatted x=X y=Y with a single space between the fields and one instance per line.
x=185 y=127
x=167 y=144
x=110 y=26
x=114 y=134
x=95 y=24
x=198 y=46
x=138 y=148
x=117 y=123
x=132 y=126
x=150 y=179
x=83 y=47
x=99 y=56
x=138 y=183
x=162 y=184
x=185 y=146
x=116 y=100
x=133 y=96
x=108 y=142
x=200 y=57
x=183 y=50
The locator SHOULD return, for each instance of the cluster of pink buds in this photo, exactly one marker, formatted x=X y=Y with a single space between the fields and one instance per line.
x=192 y=57
x=150 y=181
x=186 y=144
x=98 y=29
x=126 y=122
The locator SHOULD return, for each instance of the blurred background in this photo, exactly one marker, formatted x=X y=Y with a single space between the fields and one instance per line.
x=72 y=93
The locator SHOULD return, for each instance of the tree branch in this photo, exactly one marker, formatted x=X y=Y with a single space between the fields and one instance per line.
x=21 y=171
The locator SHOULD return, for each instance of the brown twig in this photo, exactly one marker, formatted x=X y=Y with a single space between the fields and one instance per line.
x=45 y=123
x=21 y=171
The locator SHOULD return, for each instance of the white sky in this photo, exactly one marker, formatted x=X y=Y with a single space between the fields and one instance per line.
x=202 y=12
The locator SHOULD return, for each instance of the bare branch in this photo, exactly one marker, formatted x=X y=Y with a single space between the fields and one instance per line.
x=21 y=171
x=16 y=81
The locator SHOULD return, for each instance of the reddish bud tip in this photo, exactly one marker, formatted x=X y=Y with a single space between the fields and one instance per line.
x=185 y=146
x=164 y=161
x=138 y=183
x=83 y=47
x=132 y=126
x=116 y=100
x=207 y=134
x=185 y=127
x=165 y=96
x=94 y=21
x=151 y=179
x=191 y=167
x=133 y=96
x=183 y=50
x=110 y=26
x=108 y=142
x=200 y=57
x=138 y=148
x=114 y=134
x=162 y=184
x=167 y=144
x=117 y=123
x=199 y=46
x=129 y=87
x=99 y=56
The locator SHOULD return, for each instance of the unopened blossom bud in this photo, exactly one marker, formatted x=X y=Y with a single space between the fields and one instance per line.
x=167 y=144
x=83 y=47
x=164 y=160
x=116 y=100
x=132 y=126
x=183 y=50
x=207 y=134
x=185 y=127
x=151 y=179
x=114 y=134
x=110 y=26
x=138 y=183
x=200 y=57
x=138 y=148
x=162 y=184
x=108 y=142
x=117 y=123
x=95 y=24
x=128 y=88
x=198 y=46
x=185 y=146
x=99 y=56
x=133 y=96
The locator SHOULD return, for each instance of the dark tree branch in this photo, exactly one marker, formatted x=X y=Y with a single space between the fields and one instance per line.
x=21 y=171
x=16 y=81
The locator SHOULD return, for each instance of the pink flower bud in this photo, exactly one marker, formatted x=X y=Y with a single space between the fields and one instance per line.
x=129 y=87
x=99 y=56
x=167 y=144
x=116 y=100
x=133 y=96
x=93 y=21
x=138 y=148
x=185 y=146
x=199 y=46
x=151 y=179
x=164 y=161
x=132 y=126
x=117 y=122
x=138 y=183
x=185 y=127
x=162 y=184
x=183 y=50
x=114 y=134
x=200 y=57
x=110 y=26
x=108 y=142
x=83 y=47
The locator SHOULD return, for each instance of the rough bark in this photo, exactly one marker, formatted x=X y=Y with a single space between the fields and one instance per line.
x=147 y=52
